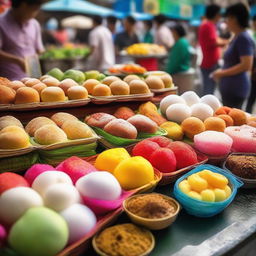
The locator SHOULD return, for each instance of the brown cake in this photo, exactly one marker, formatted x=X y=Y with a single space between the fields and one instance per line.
x=243 y=166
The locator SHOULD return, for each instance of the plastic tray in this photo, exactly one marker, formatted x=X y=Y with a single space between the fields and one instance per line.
x=248 y=183
x=206 y=209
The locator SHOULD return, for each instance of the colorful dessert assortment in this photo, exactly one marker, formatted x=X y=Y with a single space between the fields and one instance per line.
x=127 y=69
x=145 y=49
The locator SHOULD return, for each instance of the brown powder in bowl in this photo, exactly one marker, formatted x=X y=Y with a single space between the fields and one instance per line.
x=124 y=240
x=151 y=206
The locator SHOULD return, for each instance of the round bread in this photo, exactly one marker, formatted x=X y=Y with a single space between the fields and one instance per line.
x=6 y=121
x=121 y=128
x=15 y=85
x=101 y=90
x=130 y=78
x=138 y=87
x=7 y=95
x=99 y=119
x=66 y=84
x=31 y=81
x=119 y=88
x=61 y=117
x=39 y=87
x=76 y=129
x=52 y=94
x=77 y=93
x=37 y=123
x=26 y=95
x=110 y=79
x=51 y=81
x=154 y=82
x=90 y=84
x=25 y=79
x=44 y=77
x=14 y=140
x=50 y=134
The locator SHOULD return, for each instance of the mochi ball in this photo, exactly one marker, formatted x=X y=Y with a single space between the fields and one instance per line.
x=99 y=185
x=16 y=201
x=190 y=97
x=201 y=111
x=48 y=178
x=80 y=219
x=212 y=101
x=178 y=112
x=169 y=100
x=213 y=143
x=60 y=196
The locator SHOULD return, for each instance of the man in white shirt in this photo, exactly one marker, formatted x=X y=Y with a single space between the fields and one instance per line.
x=102 y=47
x=163 y=35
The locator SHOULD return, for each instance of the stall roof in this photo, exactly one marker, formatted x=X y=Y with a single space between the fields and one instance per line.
x=77 y=6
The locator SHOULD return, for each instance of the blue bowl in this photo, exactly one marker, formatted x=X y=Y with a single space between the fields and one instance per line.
x=206 y=209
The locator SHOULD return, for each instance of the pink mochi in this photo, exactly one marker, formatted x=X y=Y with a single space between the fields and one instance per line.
x=3 y=235
x=244 y=138
x=213 y=143
x=75 y=168
x=36 y=170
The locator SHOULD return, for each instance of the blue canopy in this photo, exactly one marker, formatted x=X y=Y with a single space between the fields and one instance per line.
x=135 y=15
x=77 y=6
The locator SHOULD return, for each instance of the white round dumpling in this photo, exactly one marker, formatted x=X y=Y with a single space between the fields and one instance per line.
x=178 y=112
x=201 y=111
x=212 y=101
x=190 y=97
x=169 y=100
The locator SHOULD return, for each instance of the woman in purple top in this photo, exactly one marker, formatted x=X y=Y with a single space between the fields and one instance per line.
x=20 y=37
x=234 y=78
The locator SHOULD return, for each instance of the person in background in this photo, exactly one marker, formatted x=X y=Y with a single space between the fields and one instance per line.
x=128 y=36
x=252 y=97
x=102 y=48
x=61 y=35
x=238 y=59
x=148 y=36
x=179 y=56
x=20 y=37
x=210 y=45
x=111 y=24
x=163 y=35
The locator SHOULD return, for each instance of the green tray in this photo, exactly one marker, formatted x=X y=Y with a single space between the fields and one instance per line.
x=122 y=142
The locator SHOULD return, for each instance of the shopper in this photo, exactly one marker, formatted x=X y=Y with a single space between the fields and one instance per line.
x=210 y=45
x=102 y=48
x=238 y=59
x=128 y=36
x=179 y=56
x=148 y=36
x=163 y=35
x=20 y=37
x=111 y=23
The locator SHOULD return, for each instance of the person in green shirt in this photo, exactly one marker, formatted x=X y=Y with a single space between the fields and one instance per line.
x=148 y=37
x=179 y=55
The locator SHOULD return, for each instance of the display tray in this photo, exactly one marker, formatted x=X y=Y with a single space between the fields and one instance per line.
x=44 y=105
x=121 y=98
x=159 y=91
x=248 y=183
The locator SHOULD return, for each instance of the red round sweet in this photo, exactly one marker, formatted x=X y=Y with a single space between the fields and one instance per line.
x=145 y=149
x=10 y=180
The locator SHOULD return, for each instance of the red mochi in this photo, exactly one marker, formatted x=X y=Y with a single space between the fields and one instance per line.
x=160 y=140
x=10 y=180
x=164 y=160
x=185 y=154
x=145 y=149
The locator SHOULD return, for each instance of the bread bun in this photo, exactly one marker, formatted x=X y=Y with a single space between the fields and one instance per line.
x=51 y=81
x=15 y=85
x=26 y=95
x=31 y=81
x=110 y=79
x=77 y=93
x=138 y=87
x=119 y=88
x=52 y=94
x=101 y=90
x=154 y=82
x=121 y=128
x=6 y=121
x=90 y=84
x=130 y=78
x=7 y=95
x=37 y=123
x=99 y=119
x=39 y=87
x=66 y=84
x=61 y=117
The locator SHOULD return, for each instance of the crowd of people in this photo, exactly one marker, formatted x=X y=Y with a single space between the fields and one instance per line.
x=20 y=37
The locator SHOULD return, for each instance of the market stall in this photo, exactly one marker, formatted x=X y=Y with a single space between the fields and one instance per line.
x=132 y=134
